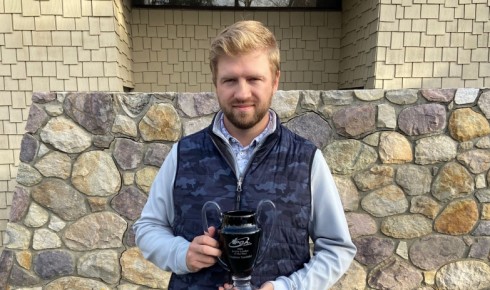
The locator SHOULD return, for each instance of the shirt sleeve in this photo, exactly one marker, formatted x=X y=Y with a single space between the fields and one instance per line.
x=333 y=249
x=153 y=231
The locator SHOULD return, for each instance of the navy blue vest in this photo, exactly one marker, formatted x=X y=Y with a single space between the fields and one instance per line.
x=280 y=171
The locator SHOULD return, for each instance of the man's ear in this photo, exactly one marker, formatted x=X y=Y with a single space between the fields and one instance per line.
x=276 y=81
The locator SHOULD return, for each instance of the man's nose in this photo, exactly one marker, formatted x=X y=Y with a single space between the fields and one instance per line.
x=243 y=90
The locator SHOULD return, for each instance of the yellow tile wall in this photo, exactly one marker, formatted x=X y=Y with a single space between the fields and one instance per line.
x=170 y=47
x=433 y=44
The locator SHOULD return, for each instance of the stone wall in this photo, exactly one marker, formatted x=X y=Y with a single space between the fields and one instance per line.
x=412 y=167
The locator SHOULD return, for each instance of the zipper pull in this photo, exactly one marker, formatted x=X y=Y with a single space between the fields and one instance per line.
x=238 y=195
x=239 y=185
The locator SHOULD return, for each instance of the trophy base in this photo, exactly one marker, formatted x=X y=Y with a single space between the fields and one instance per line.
x=242 y=283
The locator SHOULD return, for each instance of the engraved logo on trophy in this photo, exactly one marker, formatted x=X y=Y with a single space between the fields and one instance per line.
x=240 y=236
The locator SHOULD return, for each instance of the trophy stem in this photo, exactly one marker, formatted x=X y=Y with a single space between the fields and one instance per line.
x=242 y=283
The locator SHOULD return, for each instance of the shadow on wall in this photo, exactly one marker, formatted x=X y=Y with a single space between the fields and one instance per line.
x=412 y=167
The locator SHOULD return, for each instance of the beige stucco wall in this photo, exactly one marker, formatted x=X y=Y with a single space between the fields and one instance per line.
x=170 y=47
x=433 y=44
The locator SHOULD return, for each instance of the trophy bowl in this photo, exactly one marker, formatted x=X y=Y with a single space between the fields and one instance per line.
x=240 y=237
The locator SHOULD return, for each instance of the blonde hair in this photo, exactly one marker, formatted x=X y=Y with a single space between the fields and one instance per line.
x=241 y=38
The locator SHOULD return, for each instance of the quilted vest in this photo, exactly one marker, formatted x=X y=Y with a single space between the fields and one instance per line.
x=280 y=170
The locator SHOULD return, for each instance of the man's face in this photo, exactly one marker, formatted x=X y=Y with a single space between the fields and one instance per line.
x=245 y=86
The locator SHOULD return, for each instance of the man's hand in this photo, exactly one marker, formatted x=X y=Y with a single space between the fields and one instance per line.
x=265 y=286
x=203 y=251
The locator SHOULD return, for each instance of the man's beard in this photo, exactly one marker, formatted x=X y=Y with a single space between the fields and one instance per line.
x=242 y=120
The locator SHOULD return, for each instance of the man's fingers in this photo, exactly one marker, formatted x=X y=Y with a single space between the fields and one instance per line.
x=211 y=232
x=208 y=247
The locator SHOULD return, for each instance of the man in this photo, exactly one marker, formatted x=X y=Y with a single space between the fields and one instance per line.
x=245 y=156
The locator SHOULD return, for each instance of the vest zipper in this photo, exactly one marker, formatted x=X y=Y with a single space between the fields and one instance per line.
x=238 y=192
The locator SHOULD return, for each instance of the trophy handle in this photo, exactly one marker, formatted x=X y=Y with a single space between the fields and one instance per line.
x=205 y=224
x=262 y=204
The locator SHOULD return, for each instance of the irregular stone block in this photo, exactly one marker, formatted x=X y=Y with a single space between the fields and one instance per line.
x=61 y=198
x=360 y=224
x=285 y=103
x=425 y=205
x=197 y=104
x=161 y=122
x=375 y=177
x=145 y=177
x=28 y=148
x=373 y=250
x=312 y=127
x=100 y=264
x=93 y=111
x=337 y=98
x=20 y=204
x=54 y=263
x=156 y=153
x=65 y=135
x=369 y=95
x=477 y=161
x=125 y=125
x=347 y=156
x=95 y=174
x=466 y=95
x=402 y=97
x=194 y=125
x=309 y=100
x=395 y=274
x=101 y=230
x=394 y=148
x=36 y=216
x=43 y=97
x=439 y=95
x=466 y=124
x=386 y=116
x=36 y=119
x=45 y=239
x=407 y=226
x=134 y=104
x=6 y=263
x=28 y=175
x=484 y=103
x=136 y=269
x=466 y=274
x=452 y=181
x=353 y=279
x=355 y=121
x=386 y=201
x=22 y=277
x=414 y=179
x=129 y=202
x=78 y=283
x=432 y=252
x=458 y=218
x=435 y=149
x=128 y=153
x=54 y=164
x=348 y=193
x=422 y=119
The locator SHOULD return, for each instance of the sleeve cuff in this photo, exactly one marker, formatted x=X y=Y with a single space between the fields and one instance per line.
x=281 y=283
x=181 y=259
